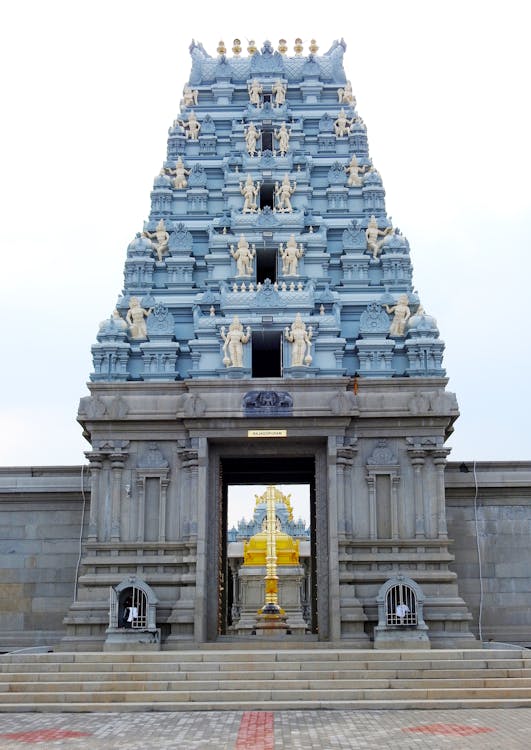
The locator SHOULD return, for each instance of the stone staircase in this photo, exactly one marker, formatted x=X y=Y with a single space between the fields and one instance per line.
x=273 y=679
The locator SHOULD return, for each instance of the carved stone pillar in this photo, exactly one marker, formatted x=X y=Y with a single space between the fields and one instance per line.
x=343 y=464
x=96 y=460
x=141 y=507
x=371 y=483
x=439 y=461
x=189 y=464
x=164 y=482
x=117 y=465
x=395 y=484
x=418 y=458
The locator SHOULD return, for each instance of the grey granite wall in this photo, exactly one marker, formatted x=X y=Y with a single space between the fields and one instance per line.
x=40 y=517
x=503 y=512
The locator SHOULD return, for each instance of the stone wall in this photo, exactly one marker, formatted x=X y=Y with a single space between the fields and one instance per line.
x=41 y=511
x=40 y=517
x=503 y=513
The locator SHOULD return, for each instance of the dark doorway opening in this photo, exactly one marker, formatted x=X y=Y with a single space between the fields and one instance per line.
x=267 y=195
x=296 y=476
x=267 y=140
x=266 y=354
x=266 y=264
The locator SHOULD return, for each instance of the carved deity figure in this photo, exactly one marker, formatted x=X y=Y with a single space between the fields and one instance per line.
x=160 y=239
x=354 y=171
x=279 y=92
x=282 y=136
x=243 y=257
x=283 y=193
x=192 y=127
x=300 y=340
x=290 y=256
x=233 y=342
x=345 y=95
x=190 y=96
x=342 y=125
x=136 y=318
x=372 y=233
x=179 y=181
x=254 y=89
x=402 y=313
x=251 y=137
x=249 y=191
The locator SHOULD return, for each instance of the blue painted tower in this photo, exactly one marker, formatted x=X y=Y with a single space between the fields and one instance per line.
x=268 y=332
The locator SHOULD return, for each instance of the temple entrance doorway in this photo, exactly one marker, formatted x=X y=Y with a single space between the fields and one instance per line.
x=245 y=485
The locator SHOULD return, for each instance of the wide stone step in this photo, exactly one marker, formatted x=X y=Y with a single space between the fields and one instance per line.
x=157 y=685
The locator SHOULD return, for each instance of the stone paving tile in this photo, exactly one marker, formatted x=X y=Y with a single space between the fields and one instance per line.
x=464 y=729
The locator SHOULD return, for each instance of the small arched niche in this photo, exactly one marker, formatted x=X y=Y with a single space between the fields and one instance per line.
x=400 y=615
x=132 y=617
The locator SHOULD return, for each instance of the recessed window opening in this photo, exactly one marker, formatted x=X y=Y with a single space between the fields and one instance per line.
x=266 y=98
x=266 y=265
x=267 y=197
x=266 y=354
x=267 y=140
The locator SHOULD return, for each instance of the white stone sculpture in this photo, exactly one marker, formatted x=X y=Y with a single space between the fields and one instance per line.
x=342 y=125
x=180 y=172
x=282 y=135
x=249 y=191
x=192 y=127
x=402 y=313
x=136 y=318
x=300 y=340
x=372 y=233
x=283 y=193
x=345 y=95
x=254 y=89
x=251 y=137
x=279 y=92
x=290 y=256
x=160 y=239
x=190 y=96
x=233 y=342
x=243 y=257
x=354 y=171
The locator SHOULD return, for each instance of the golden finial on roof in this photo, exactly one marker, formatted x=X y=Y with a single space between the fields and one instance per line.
x=236 y=47
x=279 y=498
x=221 y=48
x=298 y=47
x=282 y=46
x=313 y=47
x=251 y=47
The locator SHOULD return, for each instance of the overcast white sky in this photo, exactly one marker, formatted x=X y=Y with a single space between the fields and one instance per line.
x=88 y=93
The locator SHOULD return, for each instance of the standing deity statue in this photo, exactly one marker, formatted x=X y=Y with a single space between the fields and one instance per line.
x=283 y=193
x=282 y=136
x=254 y=89
x=136 y=318
x=372 y=233
x=233 y=343
x=190 y=96
x=354 y=171
x=279 y=92
x=401 y=317
x=251 y=137
x=160 y=239
x=249 y=192
x=342 y=125
x=243 y=257
x=345 y=96
x=290 y=256
x=300 y=340
x=179 y=181
x=192 y=127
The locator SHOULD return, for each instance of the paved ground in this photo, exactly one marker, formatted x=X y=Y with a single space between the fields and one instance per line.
x=486 y=729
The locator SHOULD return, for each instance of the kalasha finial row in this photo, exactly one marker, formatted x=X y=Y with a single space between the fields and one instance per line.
x=252 y=49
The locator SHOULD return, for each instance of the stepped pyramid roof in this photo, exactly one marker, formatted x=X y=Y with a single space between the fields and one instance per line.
x=268 y=222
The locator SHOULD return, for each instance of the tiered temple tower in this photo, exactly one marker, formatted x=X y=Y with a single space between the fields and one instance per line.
x=268 y=332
